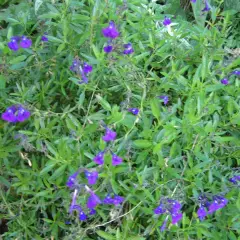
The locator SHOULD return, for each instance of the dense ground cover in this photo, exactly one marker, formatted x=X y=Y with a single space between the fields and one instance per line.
x=119 y=120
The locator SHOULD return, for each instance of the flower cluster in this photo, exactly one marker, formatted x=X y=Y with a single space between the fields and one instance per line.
x=112 y=33
x=17 y=42
x=208 y=207
x=170 y=207
x=93 y=200
x=108 y=137
x=16 y=113
x=82 y=69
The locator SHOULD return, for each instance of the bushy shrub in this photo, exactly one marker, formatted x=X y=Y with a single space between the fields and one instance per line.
x=119 y=121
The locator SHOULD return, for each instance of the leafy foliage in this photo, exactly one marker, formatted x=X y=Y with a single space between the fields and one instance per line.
x=187 y=147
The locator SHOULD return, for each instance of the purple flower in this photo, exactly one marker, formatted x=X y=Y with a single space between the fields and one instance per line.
x=110 y=31
x=99 y=158
x=162 y=228
x=117 y=200
x=202 y=213
x=224 y=81
x=109 y=135
x=82 y=215
x=92 y=211
x=116 y=160
x=236 y=72
x=16 y=113
x=134 y=111
x=108 y=200
x=93 y=201
x=25 y=42
x=44 y=38
x=164 y=98
x=193 y=1
x=218 y=203
x=167 y=21
x=235 y=179
x=87 y=68
x=72 y=180
x=207 y=7
x=75 y=67
x=174 y=206
x=108 y=49
x=91 y=177
x=128 y=49
x=160 y=209
x=22 y=114
x=13 y=44
x=176 y=217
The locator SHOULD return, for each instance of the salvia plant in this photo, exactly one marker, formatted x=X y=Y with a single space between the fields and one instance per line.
x=119 y=120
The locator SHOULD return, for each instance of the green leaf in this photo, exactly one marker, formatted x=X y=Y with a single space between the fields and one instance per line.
x=2 y=82
x=58 y=172
x=142 y=143
x=155 y=108
x=105 y=235
x=18 y=59
x=104 y=103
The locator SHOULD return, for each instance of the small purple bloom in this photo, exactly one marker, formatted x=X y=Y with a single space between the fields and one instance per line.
x=108 y=49
x=117 y=200
x=134 y=111
x=164 y=98
x=224 y=81
x=128 y=49
x=87 y=68
x=160 y=209
x=110 y=31
x=91 y=177
x=93 y=201
x=218 y=203
x=75 y=65
x=99 y=158
x=72 y=180
x=13 y=44
x=44 y=38
x=82 y=216
x=16 y=113
x=108 y=200
x=207 y=7
x=167 y=21
x=235 y=179
x=202 y=213
x=22 y=114
x=109 y=135
x=174 y=207
x=116 y=160
x=176 y=217
x=236 y=72
x=193 y=1
x=25 y=42
x=92 y=211
x=162 y=228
